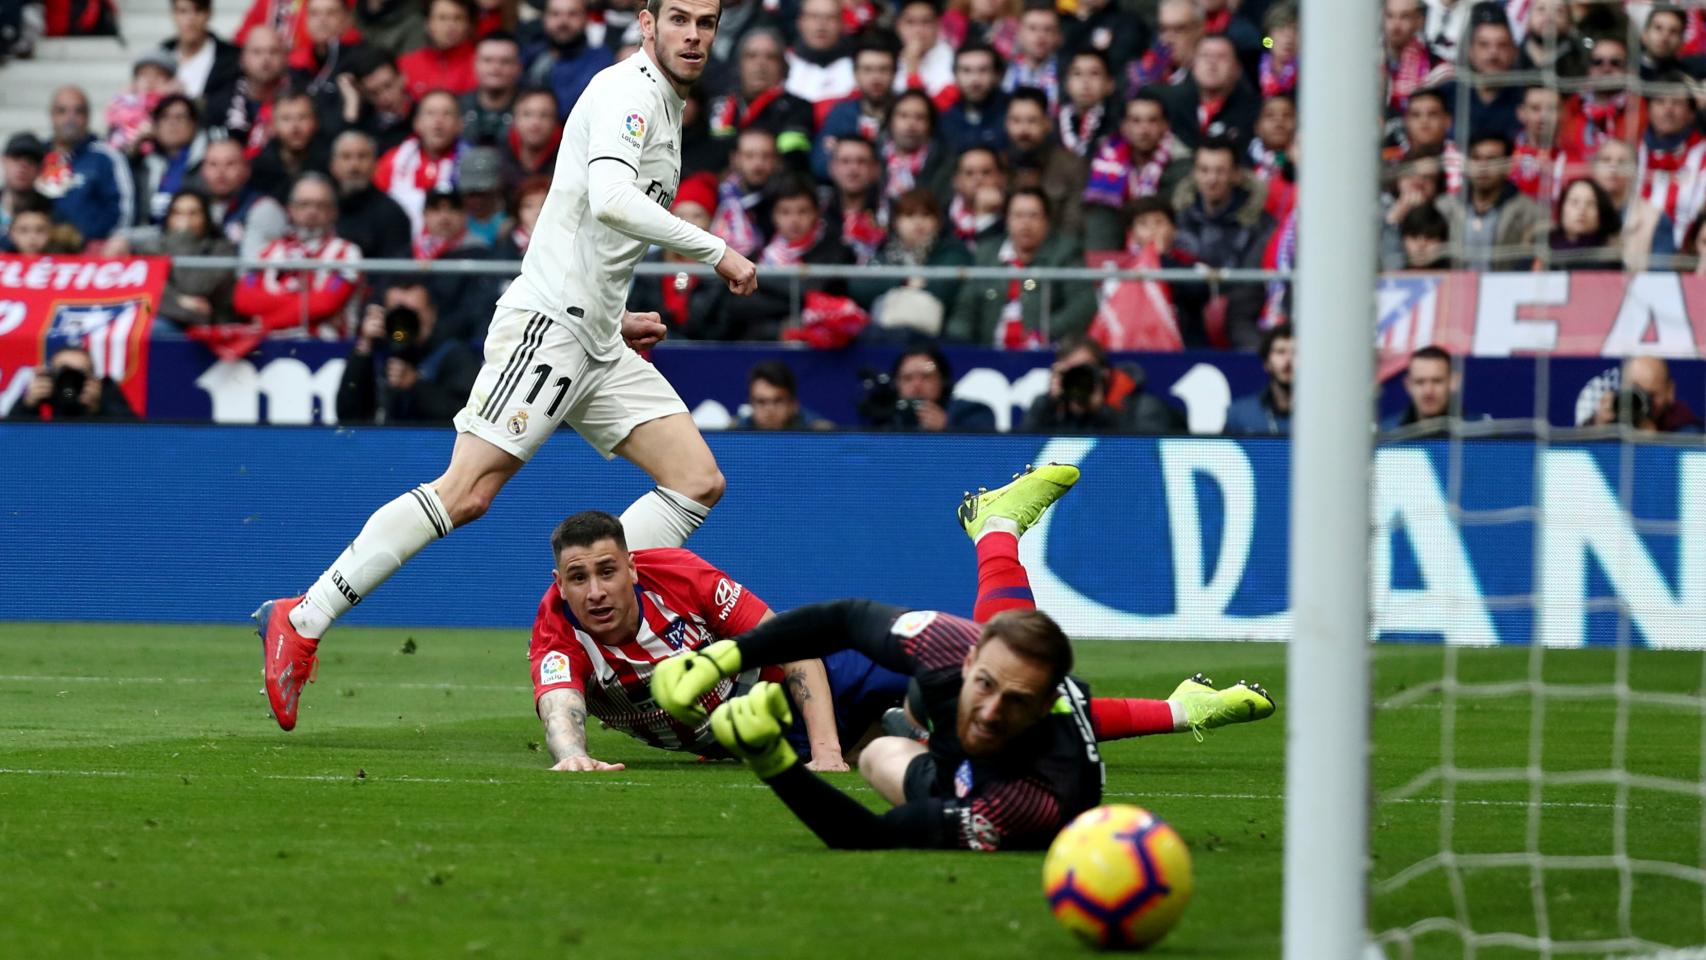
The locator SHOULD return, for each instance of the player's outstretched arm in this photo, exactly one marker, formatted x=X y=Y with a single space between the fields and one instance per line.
x=812 y=631
x=563 y=712
x=808 y=684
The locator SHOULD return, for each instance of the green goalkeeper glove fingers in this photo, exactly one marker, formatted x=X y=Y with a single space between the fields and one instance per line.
x=752 y=728
x=679 y=682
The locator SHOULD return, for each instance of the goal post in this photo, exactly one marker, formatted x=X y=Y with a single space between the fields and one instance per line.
x=1327 y=713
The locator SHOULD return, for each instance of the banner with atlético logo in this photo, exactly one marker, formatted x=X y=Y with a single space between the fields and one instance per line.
x=104 y=305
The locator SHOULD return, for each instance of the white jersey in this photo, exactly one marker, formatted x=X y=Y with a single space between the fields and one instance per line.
x=616 y=176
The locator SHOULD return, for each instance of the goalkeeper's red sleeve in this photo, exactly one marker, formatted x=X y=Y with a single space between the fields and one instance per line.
x=1116 y=718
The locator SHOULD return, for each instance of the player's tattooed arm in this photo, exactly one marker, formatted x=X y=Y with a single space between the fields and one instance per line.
x=808 y=684
x=563 y=712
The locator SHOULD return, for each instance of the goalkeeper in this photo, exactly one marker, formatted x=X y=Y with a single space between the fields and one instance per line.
x=1012 y=750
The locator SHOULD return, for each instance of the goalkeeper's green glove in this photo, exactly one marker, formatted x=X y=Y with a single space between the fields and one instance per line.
x=752 y=728
x=679 y=682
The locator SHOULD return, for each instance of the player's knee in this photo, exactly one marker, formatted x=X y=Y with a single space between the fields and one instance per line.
x=704 y=486
x=870 y=760
x=467 y=506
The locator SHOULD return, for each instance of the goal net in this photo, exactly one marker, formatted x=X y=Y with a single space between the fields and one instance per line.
x=1538 y=552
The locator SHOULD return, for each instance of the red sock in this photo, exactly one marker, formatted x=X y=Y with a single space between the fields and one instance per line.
x=1116 y=718
x=1001 y=581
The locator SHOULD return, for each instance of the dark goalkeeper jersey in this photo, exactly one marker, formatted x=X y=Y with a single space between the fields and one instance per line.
x=1018 y=799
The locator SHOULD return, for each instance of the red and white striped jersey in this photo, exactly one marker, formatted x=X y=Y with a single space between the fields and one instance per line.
x=1672 y=180
x=685 y=603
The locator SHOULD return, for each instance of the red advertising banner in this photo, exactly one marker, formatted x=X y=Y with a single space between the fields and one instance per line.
x=106 y=306
x=1528 y=314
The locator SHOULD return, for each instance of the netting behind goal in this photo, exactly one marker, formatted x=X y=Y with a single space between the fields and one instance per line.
x=1538 y=762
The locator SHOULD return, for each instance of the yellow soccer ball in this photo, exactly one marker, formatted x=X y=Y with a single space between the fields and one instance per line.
x=1118 y=877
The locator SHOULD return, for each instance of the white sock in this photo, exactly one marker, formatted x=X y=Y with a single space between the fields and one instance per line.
x=998 y=525
x=662 y=518
x=395 y=532
x=1180 y=723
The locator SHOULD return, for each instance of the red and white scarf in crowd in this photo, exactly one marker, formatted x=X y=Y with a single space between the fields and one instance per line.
x=1277 y=79
x=1603 y=116
x=1078 y=127
x=1669 y=178
x=782 y=252
x=331 y=282
x=1407 y=75
x=901 y=170
x=408 y=173
x=1537 y=171
x=733 y=220
x=729 y=116
x=430 y=247
x=1010 y=333
x=862 y=234
x=968 y=223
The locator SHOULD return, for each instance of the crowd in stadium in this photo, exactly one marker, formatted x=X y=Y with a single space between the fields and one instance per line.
x=839 y=132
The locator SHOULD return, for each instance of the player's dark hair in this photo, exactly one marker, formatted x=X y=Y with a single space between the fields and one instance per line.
x=777 y=374
x=654 y=7
x=585 y=529
x=979 y=46
x=1271 y=336
x=1034 y=635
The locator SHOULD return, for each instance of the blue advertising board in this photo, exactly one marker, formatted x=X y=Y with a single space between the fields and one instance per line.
x=296 y=382
x=1491 y=541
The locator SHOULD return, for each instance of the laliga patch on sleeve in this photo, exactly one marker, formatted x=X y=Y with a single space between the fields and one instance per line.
x=633 y=128
x=554 y=669
x=910 y=625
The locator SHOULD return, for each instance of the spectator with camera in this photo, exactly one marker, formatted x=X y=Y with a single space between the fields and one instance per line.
x=1009 y=313
x=66 y=388
x=1646 y=400
x=1087 y=394
x=1269 y=411
x=773 y=399
x=401 y=368
x=917 y=395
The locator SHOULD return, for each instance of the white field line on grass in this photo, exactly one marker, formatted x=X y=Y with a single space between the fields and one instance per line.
x=495 y=781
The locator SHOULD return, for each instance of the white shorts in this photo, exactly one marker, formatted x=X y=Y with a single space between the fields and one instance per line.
x=537 y=375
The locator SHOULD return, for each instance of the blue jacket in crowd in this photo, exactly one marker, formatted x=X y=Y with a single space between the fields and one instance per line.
x=93 y=191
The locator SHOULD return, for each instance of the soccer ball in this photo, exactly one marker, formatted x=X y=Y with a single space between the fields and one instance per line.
x=1118 y=877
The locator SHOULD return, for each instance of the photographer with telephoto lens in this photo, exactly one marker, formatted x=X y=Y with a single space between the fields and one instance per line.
x=398 y=372
x=1087 y=394
x=1646 y=400
x=66 y=388
x=917 y=395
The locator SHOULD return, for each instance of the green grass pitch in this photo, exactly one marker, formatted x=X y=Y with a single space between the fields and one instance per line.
x=150 y=808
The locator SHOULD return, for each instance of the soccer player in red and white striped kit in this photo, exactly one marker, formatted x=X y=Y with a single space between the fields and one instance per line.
x=1011 y=753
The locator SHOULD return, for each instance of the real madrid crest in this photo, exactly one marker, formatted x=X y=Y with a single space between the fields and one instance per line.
x=518 y=423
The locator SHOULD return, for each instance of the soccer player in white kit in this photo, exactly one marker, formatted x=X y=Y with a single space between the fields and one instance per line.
x=559 y=347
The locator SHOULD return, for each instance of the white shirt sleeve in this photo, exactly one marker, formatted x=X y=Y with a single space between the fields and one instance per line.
x=614 y=195
x=623 y=115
